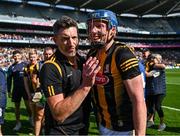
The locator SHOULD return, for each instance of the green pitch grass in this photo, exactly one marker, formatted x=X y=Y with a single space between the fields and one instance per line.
x=172 y=117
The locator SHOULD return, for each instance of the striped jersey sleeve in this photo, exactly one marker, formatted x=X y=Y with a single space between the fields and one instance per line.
x=127 y=63
x=51 y=79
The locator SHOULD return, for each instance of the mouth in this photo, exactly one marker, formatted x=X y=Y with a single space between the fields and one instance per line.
x=96 y=38
x=71 y=49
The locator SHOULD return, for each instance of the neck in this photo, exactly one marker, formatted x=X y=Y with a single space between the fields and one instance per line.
x=17 y=62
x=72 y=60
x=108 y=45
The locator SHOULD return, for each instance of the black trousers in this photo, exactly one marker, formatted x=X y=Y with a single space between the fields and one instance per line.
x=154 y=103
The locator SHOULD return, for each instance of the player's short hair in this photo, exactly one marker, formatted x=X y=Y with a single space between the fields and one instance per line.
x=145 y=50
x=16 y=52
x=64 y=22
x=32 y=51
x=48 y=48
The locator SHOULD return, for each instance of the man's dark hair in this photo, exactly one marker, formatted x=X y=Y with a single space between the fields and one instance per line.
x=16 y=52
x=48 y=48
x=64 y=22
x=145 y=50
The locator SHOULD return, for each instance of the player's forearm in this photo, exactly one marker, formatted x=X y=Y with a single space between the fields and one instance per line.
x=70 y=104
x=139 y=117
x=148 y=74
x=161 y=66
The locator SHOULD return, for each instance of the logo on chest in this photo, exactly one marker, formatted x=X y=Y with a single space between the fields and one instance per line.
x=101 y=79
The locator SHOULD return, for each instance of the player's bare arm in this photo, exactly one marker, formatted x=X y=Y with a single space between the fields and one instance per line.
x=135 y=90
x=61 y=107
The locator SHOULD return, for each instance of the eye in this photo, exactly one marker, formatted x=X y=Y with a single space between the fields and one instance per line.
x=74 y=37
x=64 y=38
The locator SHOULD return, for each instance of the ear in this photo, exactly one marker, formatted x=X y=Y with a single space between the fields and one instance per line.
x=113 y=31
x=54 y=39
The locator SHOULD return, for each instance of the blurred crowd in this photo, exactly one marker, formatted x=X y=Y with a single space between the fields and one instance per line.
x=35 y=39
x=170 y=58
x=6 y=55
x=21 y=37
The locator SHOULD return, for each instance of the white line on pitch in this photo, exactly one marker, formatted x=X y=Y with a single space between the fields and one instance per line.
x=170 y=83
x=166 y=107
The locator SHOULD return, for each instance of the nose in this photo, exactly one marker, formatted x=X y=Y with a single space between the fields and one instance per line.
x=70 y=41
x=94 y=29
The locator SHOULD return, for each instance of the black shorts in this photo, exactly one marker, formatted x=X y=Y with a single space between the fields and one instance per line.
x=19 y=93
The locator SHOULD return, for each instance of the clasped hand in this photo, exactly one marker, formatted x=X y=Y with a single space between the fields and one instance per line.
x=90 y=69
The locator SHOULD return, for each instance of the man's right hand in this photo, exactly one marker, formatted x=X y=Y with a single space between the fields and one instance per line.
x=90 y=69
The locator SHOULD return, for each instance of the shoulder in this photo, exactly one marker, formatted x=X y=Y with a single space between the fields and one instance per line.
x=123 y=49
x=26 y=67
x=51 y=65
x=24 y=63
x=50 y=73
x=2 y=73
x=1 y=70
x=124 y=52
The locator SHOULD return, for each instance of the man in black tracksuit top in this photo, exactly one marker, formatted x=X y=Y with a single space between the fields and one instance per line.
x=61 y=81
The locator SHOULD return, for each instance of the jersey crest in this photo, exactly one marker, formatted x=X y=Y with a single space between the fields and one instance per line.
x=101 y=79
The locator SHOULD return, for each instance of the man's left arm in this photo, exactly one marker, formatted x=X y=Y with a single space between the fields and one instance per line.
x=132 y=79
x=135 y=90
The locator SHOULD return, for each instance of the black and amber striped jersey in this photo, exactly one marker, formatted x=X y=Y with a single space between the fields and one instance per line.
x=149 y=66
x=113 y=103
x=54 y=72
x=30 y=71
x=59 y=76
x=149 y=63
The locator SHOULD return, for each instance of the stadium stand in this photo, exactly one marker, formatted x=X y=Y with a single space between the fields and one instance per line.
x=23 y=24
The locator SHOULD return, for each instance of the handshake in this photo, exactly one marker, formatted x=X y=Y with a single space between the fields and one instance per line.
x=154 y=73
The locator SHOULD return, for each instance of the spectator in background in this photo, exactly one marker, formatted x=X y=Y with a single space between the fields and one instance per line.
x=118 y=90
x=39 y=98
x=146 y=55
x=2 y=98
x=15 y=75
x=158 y=92
x=151 y=85
x=48 y=52
x=149 y=63
x=61 y=81
x=31 y=81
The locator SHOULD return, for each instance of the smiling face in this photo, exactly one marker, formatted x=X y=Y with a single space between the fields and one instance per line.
x=33 y=58
x=99 y=32
x=17 y=57
x=67 y=41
